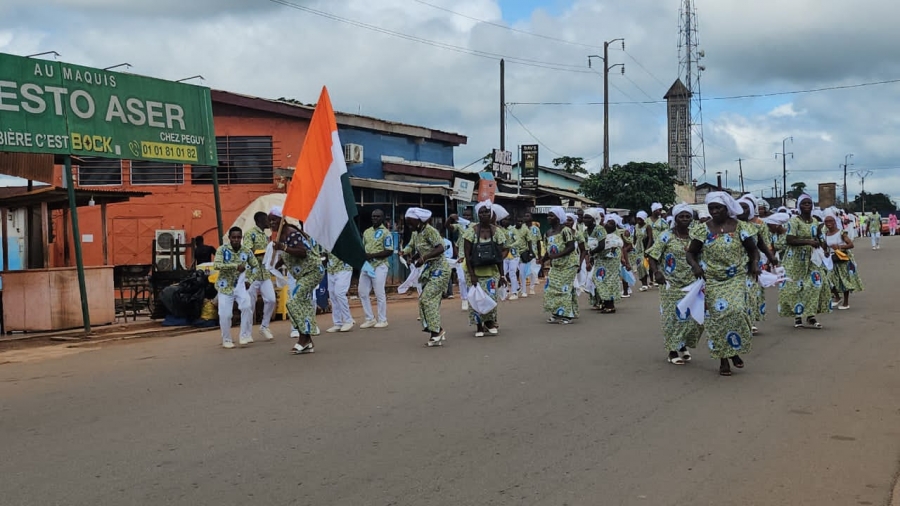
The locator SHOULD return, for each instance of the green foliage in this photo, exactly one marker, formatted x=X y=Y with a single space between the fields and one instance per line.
x=633 y=186
x=570 y=164
x=797 y=189
x=880 y=201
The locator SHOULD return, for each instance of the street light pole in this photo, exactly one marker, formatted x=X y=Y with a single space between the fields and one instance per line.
x=784 y=169
x=606 y=68
x=846 y=159
x=862 y=181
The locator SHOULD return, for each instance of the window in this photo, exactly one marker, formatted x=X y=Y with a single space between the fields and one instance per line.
x=96 y=171
x=144 y=172
x=242 y=160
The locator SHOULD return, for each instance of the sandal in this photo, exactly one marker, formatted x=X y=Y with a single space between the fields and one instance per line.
x=674 y=358
x=737 y=361
x=811 y=321
x=685 y=354
x=724 y=368
x=798 y=323
x=608 y=310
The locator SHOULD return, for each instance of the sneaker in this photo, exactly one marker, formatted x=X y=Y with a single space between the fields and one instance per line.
x=295 y=333
x=450 y=296
x=368 y=324
x=493 y=331
x=303 y=350
x=437 y=340
x=644 y=288
x=227 y=345
x=381 y=325
x=626 y=295
x=479 y=334
x=266 y=333
x=531 y=291
x=513 y=297
x=245 y=340
x=843 y=307
x=332 y=330
x=465 y=305
x=524 y=294
x=685 y=355
x=347 y=327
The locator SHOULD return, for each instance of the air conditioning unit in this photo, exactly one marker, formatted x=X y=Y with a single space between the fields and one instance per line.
x=166 y=254
x=353 y=153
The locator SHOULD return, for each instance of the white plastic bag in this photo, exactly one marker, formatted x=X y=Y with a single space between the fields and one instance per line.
x=411 y=281
x=613 y=241
x=241 y=295
x=503 y=293
x=368 y=270
x=769 y=279
x=694 y=303
x=819 y=259
x=480 y=301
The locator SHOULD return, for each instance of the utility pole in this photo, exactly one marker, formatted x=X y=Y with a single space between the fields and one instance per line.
x=784 y=169
x=606 y=68
x=741 y=173
x=862 y=181
x=719 y=180
x=502 y=105
x=846 y=159
x=775 y=188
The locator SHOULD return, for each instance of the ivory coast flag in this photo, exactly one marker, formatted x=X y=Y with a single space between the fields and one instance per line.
x=320 y=194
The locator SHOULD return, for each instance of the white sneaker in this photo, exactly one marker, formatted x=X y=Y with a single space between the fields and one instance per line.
x=381 y=325
x=524 y=294
x=513 y=297
x=227 y=345
x=465 y=305
x=266 y=333
x=295 y=333
x=368 y=324
x=245 y=340
x=303 y=350
x=332 y=330
x=644 y=288
x=531 y=291
x=493 y=331
x=479 y=334
x=347 y=327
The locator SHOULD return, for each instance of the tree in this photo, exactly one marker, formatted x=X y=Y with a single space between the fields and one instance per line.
x=880 y=201
x=634 y=186
x=797 y=189
x=570 y=164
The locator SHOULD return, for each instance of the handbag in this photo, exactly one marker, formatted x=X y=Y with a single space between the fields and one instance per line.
x=527 y=256
x=485 y=253
x=841 y=255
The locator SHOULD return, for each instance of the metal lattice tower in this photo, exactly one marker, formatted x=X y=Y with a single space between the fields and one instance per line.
x=689 y=71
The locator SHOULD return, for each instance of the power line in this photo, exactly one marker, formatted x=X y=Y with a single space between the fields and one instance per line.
x=644 y=68
x=531 y=134
x=564 y=67
x=505 y=27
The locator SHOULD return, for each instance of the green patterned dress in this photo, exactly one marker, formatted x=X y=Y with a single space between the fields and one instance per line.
x=802 y=296
x=724 y=261
x=488 y=277
x=580 y=243
x=607 y=281
x=434 y=278
x=558 y=299
x=637 y=254
x=679 y=330
x=845 y=276
x=308 y=272
x=756 y=296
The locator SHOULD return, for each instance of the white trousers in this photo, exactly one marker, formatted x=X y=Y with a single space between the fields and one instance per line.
x=876 y=239
x=366 y=284
x=511 y=269
x=535 y=270
x=461 y=277
x=226 y=309
x=338 y=286
x=267 y=290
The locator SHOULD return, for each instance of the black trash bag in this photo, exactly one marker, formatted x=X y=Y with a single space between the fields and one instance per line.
x=185 y=300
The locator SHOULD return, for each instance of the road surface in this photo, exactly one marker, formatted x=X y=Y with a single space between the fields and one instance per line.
x=589 y=414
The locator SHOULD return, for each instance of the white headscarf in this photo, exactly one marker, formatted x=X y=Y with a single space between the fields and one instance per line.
x=802 y=198
x=615 y=218
x=817 y=213
x=573 y=216
x=726 y=200
x=595 y=213
x=777 y=219
x=641 y=215
x=656 y=206
x=751 y=202
x=559 y=212
x=276 y=211
x=831 y=212
x=478 y=206
x=783 y=209
x=499 y=212
x=682 y=208
x=418 y=213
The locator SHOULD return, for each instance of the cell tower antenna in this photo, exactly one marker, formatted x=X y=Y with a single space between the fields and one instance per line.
x=690 y=69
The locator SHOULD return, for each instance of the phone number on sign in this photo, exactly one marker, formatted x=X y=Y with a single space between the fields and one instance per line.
x=174 y=152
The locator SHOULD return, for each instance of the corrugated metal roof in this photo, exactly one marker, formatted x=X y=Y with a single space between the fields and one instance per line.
x=427 y=165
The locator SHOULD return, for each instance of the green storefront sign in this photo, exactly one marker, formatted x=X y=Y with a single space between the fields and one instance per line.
x=53 y=107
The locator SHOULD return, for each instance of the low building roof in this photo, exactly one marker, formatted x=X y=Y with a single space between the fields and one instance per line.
x=58 y=198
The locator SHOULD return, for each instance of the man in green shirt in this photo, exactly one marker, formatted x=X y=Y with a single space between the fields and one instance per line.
x=233 y=260
x=379 y=244
x=256 y=241
x=873 y=221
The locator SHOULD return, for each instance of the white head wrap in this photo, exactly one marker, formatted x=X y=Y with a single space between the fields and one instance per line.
x=751 y=202
x=614 y=217
x=777 y=219
x=418 y=213
x=641 y=215
x=682 y=208
x=594 y=212
x=831 y=212
x=782 y=209
x=726 y=200
x=656 y=206
x=601 y=211
x=670 y=220
x=817 y=213
x=559 y=212
x=276 y=211
x=802 y=198
x=478 y=206
x=572 y=216
x=499 y=212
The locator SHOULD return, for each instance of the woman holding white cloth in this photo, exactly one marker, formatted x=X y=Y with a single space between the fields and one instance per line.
x=484 y=250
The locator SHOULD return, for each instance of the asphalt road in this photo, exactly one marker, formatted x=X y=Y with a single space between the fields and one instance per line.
x=589 y=414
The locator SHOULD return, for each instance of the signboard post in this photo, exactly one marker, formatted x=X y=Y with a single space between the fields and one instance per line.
x=56 y=108
x=529 y=167
x=463 y=189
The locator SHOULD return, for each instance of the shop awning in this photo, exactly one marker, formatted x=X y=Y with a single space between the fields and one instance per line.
x=565 y=194
x=58 y=198
x=401 y=186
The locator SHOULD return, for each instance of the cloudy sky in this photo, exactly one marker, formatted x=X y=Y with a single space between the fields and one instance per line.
x=415 y=61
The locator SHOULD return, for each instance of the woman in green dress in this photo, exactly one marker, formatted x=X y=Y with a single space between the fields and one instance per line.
x=426 y=248
x=608 y=257
x=800 y=297
x=486 y=275
x=845 y=276
x=643 y=238
x=721 y=251
x=756 y=296
x=563 y=260
x=668 y=260
x=594 y=235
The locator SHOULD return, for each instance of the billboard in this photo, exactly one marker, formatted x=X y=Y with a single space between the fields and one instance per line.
x=501 y=165
x=58 y=108
x=528 y=167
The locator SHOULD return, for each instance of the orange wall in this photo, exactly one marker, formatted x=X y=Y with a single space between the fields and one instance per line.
x=187 y=207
